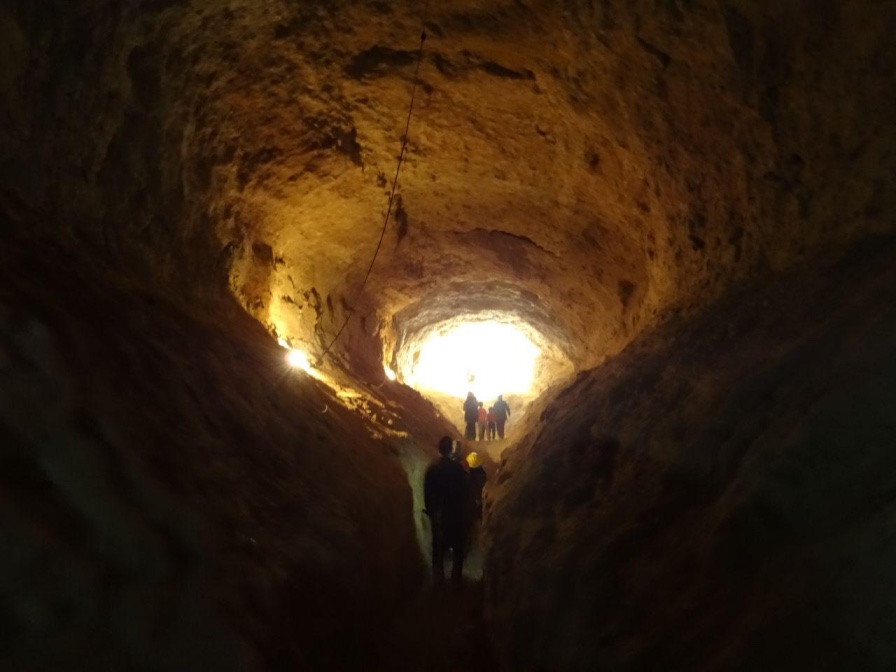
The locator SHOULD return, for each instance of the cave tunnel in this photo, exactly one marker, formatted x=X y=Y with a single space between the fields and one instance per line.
x=686 y=206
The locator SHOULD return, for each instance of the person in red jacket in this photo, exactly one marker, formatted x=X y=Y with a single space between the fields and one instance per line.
x=482 y=421
x=492 y=426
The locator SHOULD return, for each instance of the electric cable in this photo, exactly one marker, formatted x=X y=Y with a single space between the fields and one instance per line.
x=404 y=145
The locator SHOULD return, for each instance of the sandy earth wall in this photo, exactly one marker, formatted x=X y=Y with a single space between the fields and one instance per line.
x=174 y=497
x=589 y=166
x=628 y=158
x=717 y=496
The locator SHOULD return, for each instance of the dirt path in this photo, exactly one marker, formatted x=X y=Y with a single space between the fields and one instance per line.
x=441 y=631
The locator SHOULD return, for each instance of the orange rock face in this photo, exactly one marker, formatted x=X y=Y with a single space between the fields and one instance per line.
x=587 y=170
x=585 y=167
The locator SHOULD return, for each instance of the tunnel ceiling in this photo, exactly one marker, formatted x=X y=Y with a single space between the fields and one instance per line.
x=584 y=167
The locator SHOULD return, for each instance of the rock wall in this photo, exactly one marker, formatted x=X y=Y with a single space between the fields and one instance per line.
x=94 y=146
x=717 y=496
x=173 y=497
x=589 y=167
x=593 y=168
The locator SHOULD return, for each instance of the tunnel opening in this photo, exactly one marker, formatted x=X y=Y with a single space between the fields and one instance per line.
x=486 y=358
x=534 y=351
x=489 y=353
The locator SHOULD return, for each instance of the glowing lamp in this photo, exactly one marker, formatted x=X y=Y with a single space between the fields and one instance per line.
x=298 y=360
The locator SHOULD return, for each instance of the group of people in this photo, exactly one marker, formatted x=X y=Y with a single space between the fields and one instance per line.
x=453 y=484
x=489 y=423
x=452 y=495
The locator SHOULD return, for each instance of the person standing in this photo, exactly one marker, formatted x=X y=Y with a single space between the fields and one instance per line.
x=471 y=416
x=492 y=427
x=478 y=478
x=446 y=495
x=482 y=421
x=502 y=412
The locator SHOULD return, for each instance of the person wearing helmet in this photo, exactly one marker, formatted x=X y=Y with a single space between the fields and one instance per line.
x=446 y=495
x=478 y=478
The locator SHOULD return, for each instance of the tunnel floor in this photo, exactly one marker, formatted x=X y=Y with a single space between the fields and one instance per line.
x=442 y=630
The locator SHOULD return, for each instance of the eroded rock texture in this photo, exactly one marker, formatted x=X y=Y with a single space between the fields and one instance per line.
x=175 y=498
x=587 y=166
x=170 y=170
x=718 y=496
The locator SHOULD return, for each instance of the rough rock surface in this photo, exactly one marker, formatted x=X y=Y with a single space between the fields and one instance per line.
x=586 y=166
x=174 y=498
x=591 y=169
x=718 y=496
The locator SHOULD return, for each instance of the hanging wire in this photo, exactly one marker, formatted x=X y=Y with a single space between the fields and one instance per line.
x=404 y=145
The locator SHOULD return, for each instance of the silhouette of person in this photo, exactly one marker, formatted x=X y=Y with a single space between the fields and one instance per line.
x=446 y=495
x=482 y=421
x=492 y=427
x=471 y=416
x=502 y=412
x=478 y=478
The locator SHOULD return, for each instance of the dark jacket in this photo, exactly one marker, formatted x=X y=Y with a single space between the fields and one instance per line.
x=446 y=493
x=502 y=410
x=471 y=409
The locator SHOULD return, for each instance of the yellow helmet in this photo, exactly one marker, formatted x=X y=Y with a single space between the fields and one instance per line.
x=473 y=460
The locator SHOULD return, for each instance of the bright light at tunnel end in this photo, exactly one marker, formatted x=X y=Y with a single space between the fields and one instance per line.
x=486 y=358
